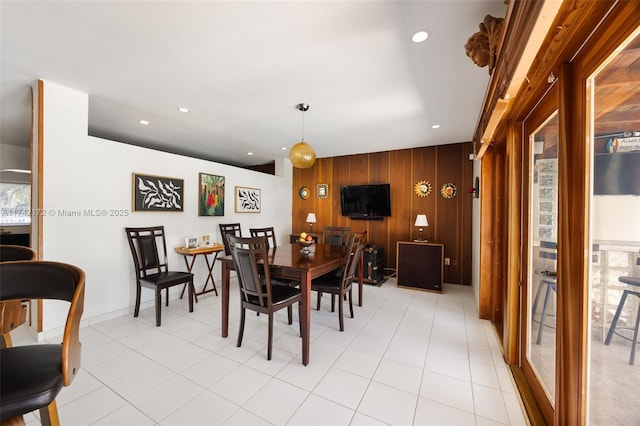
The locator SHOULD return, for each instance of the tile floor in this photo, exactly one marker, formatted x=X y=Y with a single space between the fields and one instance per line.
x=408 y=357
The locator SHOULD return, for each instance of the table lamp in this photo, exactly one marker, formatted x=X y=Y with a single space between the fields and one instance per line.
x=311 y=219
x=421 y=220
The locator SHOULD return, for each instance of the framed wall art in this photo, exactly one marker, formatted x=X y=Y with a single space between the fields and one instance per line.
x=322 y=190
x=157 y=193
x=211 y=195
x=247 y=200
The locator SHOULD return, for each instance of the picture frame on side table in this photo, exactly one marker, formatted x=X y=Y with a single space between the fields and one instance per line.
x=157 y=193
x=247 y=200
x=210 y=195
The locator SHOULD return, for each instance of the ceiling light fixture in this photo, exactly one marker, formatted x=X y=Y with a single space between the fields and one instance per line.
x=183 y=109
x=435 y=126
x=302 y=155
x=420 y=36
x=144 y=122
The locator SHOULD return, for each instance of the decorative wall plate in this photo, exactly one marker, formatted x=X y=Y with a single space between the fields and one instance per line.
x=304 y=192
x=422 y=188
x=448 y=190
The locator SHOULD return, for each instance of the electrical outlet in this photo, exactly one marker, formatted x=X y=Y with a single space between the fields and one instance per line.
x=447 y=261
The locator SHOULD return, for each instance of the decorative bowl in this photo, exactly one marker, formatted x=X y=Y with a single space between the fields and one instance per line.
x=305 y=246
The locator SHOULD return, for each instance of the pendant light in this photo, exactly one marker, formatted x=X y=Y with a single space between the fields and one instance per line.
x=302 y=155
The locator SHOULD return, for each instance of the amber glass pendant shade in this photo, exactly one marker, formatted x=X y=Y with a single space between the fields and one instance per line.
x=302 y=155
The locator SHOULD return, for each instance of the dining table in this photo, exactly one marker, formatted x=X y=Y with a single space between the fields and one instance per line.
x=288 y=262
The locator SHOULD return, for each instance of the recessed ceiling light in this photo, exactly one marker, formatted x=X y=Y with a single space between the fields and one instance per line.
x=420 y=36
x=284 y=148
x=144 y=122
x=183 y=109
x=249 y=153
x=435 y=126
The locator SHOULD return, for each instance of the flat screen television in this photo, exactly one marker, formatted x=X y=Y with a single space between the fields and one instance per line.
x=366 y=202
x=617 y=173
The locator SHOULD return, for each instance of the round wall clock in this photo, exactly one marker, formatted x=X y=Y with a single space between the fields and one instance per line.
x=422 y=188
x=448 y=190
x=304 y=192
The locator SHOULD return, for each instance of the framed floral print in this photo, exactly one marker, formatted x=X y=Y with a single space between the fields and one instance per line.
x=211 y=195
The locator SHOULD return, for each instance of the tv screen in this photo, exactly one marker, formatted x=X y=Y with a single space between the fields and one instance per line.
x=366 y=201
x=617 y=173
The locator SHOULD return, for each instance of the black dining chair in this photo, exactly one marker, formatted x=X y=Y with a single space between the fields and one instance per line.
x=267 y=232
x=31 y=376
x=340 y=285
x=256 y=290
x=336 y=235
x=229 y=229
x=272 y=244
x=149 y=250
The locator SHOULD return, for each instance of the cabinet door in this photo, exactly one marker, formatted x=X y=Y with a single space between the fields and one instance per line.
x=420 y=265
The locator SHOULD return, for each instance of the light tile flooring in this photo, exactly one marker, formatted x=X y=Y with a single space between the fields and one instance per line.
x=408 y=357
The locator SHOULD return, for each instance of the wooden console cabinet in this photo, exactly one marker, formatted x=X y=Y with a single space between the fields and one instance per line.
x=420 y=265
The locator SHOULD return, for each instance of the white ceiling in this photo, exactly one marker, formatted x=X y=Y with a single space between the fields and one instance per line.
x=242 y=66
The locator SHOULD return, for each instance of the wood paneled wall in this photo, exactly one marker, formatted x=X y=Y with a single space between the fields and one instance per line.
x=449 y=219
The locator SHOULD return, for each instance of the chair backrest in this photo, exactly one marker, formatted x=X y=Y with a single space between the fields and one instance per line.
x=149 y=250
x=351 y=259
x=229 y=229
x=335 y=235
x=254 y=281
x=50 y=280
x=547 y=258
x=269 y=233
x=9 y=253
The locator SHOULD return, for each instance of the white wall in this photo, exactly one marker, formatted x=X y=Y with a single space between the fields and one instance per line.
x=82 y=173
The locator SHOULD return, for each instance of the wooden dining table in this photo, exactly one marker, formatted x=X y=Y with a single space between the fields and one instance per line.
x=286 y=261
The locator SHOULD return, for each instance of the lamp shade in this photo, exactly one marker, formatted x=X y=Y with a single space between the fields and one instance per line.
x=421 y=220
x=311 y=218
x=302 y=155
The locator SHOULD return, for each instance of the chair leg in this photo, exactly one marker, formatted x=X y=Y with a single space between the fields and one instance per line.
x=136 y=310
x=290 y=314
x=167 y=296
x=350 y=303
x=158 y=306
x=632 y=358
x=340 y=311
x=300 y=317
x=49 y=415
x=241 y=328
x=192 y=293
x=270 y=344
x=319 y=299
x=545 y=304
x=616 y=317
x=333 y=303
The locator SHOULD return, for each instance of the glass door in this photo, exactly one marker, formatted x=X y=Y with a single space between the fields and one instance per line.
x=614 y=290
x=542 y=241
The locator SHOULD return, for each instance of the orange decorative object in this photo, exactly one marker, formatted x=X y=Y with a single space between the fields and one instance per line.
x=302 y=155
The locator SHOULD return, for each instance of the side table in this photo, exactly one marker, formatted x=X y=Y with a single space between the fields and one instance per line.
x=193 y=253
